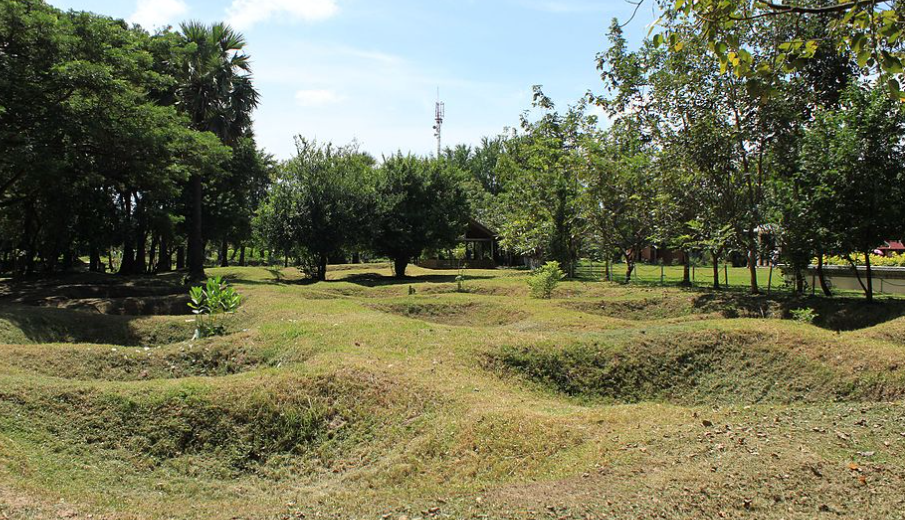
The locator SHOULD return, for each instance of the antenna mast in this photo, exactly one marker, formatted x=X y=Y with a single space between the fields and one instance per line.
x=439 y=115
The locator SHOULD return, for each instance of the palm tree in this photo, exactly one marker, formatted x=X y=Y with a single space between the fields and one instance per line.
x=216 y=92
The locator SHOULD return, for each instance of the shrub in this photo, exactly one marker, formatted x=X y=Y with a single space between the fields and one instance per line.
x=211 y=300
x=875 y=260
x=805 y=315
x=459 y=253
x=544 y=280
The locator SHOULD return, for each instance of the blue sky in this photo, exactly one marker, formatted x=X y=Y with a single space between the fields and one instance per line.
x=369 y=70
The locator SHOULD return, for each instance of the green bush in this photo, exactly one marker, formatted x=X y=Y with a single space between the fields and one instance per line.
x=875 y=260
x=211 y=300
x=544 y=280
x=806 y=315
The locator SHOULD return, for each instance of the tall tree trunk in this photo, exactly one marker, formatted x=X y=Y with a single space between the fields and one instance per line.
x=196 y=230
x=94 y=264
x=165 y=262
x=180 y=258
x=686 y=269
x=399 y=265
x=629 y=267
x=140 y=266
x=242 y=256
x=322 y=268
x=821 y=275
x=870 y=278
x=68 y=260
x=127 y=265
x=716 y=269
x=224 y=253
x=152 y=254
x=356 y=257
x=752 y=263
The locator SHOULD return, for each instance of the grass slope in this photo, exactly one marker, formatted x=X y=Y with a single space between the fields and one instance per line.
x=355 y=398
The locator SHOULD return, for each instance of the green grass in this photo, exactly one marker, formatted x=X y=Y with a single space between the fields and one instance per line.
x=353 y=398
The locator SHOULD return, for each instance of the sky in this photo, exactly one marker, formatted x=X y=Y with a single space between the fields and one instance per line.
x=369 y=70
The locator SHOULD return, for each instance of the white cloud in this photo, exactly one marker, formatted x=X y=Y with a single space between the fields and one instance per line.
x=242 y=14
x=383 y=100
x=317 y=97
x=154 y=14
x=566 y=7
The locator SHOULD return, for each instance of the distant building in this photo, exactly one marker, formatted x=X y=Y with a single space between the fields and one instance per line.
x=664 y=255
x=892 y=247
x=482 y=250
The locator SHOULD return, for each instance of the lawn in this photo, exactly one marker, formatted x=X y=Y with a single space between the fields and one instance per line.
x=370 y=397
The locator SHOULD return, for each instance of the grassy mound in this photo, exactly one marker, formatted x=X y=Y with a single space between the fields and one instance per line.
x=22 y=324
x=833 y=314
x=221 y=357
x=701 y=366
x=472 y=314
x=891 y=331
x=226 y=426
x=176 y=305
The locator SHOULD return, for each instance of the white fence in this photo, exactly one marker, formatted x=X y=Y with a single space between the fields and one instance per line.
x=886 y=280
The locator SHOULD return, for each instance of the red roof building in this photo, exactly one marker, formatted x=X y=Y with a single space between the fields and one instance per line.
x=892 y=247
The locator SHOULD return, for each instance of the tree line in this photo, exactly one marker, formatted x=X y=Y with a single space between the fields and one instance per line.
x=740 y=138
x=117 y=142
x=710 y=152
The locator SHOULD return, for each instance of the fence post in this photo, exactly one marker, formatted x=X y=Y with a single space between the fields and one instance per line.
x=662 y=274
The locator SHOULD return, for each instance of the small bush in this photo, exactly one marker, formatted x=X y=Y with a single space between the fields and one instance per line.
x=892 y=260
x=544 y=280
x=211 y=300
x=806 y=315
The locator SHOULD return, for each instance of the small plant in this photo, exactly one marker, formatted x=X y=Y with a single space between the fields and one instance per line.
x=544 y=280
x=460 y=281
x=411 y=290
x=460 y=253
x=805 y=315
x=210 y=301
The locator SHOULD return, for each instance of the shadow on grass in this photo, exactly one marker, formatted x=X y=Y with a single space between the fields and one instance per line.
x=49 y=325
x=837 y=313
x=378 y=280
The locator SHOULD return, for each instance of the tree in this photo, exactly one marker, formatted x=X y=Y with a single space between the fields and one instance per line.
x=539 y=170
x=215 y=91
x=853 y=158
x=621 y=197
x=870 y=31
x=321 y=204
x=232 y=198
x=421 y=205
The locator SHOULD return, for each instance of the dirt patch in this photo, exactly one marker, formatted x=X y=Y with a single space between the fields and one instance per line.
x=470 y=314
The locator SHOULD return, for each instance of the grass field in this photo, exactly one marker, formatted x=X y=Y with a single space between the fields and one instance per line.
x=369 y=397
